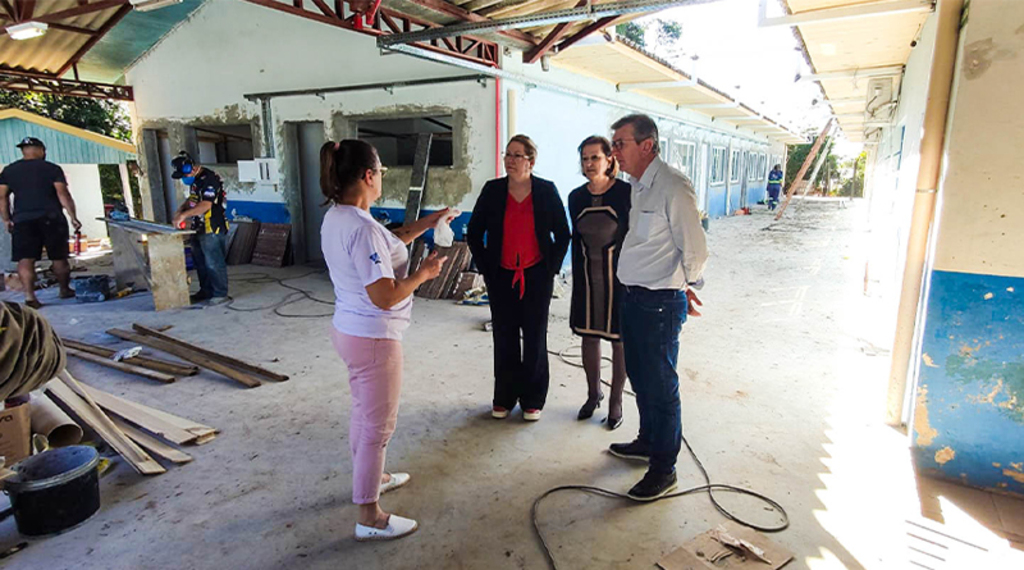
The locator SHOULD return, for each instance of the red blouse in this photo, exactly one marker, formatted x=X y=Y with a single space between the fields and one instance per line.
x=519 y=247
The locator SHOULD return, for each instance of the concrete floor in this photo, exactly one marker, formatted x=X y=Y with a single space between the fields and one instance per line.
x=783 y=386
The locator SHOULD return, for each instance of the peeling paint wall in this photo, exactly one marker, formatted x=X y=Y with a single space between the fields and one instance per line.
x=969 y=413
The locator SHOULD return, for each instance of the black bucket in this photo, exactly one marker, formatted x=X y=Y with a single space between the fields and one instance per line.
x=55 y=490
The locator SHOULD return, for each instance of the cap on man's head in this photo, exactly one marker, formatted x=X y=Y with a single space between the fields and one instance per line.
x=31 y=141
x=183 y=165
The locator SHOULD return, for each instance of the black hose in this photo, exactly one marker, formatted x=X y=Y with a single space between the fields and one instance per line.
x=295 y=296
x=708 y=486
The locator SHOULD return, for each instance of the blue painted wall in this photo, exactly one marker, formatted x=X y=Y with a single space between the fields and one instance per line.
x=268 y=212
x=969 y=417
x=61 y=148
x=716 y=202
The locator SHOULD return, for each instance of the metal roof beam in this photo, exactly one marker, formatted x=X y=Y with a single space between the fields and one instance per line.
x=42 y=83
x=730 y=105
x=592 y=12
x=656 y=85
x=84 y=9
x=824 y=15
x=464 y=14
x=861 y=73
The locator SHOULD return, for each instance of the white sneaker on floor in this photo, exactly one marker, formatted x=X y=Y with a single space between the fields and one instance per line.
x=397 y=528
x=531 y=415
x=397 y=480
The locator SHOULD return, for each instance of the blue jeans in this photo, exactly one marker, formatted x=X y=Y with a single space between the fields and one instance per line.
x=209 y=255
x=651 y=323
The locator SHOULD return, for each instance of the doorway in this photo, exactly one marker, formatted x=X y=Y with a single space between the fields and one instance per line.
x=309 y=137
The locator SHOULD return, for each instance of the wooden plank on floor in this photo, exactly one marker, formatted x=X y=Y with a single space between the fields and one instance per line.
x=121 y=366
x=68 y=391
x=184 y=354
x=173 y=428
x=154 y=445
x=229 y=360
x=156 y=364
x=138 y=416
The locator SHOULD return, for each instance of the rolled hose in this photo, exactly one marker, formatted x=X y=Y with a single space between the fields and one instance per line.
x=31 y=353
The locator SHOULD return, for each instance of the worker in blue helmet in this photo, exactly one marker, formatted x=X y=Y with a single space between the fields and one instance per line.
x=203 y=213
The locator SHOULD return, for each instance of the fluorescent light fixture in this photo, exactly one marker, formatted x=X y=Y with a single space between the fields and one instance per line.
x=147 y=5
x=26 y=30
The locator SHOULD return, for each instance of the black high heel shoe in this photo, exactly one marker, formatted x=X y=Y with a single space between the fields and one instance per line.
x=613 y=423
x=587 y=411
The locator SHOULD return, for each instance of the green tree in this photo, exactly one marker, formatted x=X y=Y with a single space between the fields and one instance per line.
x=99 y=116
x=669 y=32
x=798 y=153
x=633 y=32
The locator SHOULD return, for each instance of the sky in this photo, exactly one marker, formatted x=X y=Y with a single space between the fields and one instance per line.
x=758 y=66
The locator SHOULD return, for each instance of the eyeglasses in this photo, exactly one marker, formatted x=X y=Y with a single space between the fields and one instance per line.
x=514 y=156
x=617 y=144
x=383 y=170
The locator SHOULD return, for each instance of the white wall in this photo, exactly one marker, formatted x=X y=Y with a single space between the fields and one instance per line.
x=981 y=200
x=894 y=173
x=84 y=185
x=230 y=52
x=229 y=46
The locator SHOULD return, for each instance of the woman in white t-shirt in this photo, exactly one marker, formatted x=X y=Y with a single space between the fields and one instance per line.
x=368 y=263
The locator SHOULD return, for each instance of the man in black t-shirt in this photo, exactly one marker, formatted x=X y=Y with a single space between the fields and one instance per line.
x=40 y=195
x=205 y=210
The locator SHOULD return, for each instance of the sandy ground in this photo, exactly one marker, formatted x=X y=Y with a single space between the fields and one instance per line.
x=783 y=390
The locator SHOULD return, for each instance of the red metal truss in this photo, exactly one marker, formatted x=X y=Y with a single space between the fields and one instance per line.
x=43 y=83
x=387 y=22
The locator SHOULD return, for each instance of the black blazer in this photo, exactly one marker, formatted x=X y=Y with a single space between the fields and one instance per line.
x=488 y=220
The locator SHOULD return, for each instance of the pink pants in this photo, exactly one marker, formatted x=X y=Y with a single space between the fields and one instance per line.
x=375 y=379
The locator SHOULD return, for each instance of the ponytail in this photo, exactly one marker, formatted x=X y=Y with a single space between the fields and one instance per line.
x=342 y=164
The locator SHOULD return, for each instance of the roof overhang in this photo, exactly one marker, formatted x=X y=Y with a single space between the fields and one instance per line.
x=857 y=50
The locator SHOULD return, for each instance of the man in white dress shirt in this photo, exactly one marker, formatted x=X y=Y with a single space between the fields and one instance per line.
x=661 y=263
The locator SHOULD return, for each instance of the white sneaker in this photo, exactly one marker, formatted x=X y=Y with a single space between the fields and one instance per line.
x=397 y=528
x=531 y=415
x=397 y=480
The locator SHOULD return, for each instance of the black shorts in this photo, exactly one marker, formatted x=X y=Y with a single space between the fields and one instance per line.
x=31 y=236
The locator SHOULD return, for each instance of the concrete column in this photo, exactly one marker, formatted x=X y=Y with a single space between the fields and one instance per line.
x=151 y=183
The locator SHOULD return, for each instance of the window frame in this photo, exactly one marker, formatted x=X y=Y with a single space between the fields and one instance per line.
x=735 y=166
x=719 y=155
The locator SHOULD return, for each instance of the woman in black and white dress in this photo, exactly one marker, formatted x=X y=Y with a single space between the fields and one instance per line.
x=599 y=211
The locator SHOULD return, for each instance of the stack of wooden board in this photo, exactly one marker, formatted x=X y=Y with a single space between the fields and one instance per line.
x=243 y=372
x=133 y=428
x=445 y=285
x=244 y=242
x=272 y=245
x=152 y=368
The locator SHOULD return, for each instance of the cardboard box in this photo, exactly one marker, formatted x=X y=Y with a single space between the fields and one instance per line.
x=15 y=433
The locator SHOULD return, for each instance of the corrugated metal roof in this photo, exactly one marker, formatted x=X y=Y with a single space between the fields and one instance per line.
x=64 y=144
x=106 y=60
x=47 y=53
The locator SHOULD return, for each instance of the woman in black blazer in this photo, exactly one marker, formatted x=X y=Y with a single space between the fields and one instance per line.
x=519 y=235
